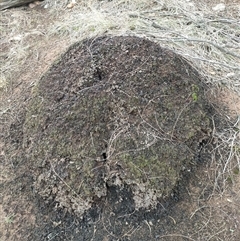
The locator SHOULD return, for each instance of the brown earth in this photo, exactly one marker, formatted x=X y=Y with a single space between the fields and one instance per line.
x=155 y=100
x=201 y=213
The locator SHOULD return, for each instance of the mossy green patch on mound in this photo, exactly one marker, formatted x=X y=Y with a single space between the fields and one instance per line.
x=114 y=111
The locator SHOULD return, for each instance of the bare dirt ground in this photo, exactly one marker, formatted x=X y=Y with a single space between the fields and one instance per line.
x=32 y=38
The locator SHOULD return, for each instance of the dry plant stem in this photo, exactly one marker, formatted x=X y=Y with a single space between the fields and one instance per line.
x=57 y=175
x=212 y=62
x=215 y=234
x=175 y=40
x=172 y=134
x=94 y=231
x=197 y=210
x=174 y=221
x=150 y=230
x=184 y=38
x=176 y=236
x=231 y=142
x=110 y=233
x=130 y=232
x=231 y=154
x=111 y=143
x=207 y=222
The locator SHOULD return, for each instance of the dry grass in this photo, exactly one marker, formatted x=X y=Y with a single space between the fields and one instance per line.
x=209 y=40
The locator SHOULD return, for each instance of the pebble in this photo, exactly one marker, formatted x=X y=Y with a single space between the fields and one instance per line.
x=219 y=7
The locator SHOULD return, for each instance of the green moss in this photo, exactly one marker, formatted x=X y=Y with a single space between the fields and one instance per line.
x=236 y=170
x=195 y=91
x=154 y=165
x=194 y=96
x=229 y=180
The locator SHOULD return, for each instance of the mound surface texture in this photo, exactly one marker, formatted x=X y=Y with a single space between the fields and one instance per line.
x=115 y=111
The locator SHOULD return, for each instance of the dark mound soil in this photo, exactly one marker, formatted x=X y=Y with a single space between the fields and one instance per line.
x=110 y=146
x=116 y=118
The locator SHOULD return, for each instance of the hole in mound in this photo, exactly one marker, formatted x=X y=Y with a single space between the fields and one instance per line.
x=111 y=113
